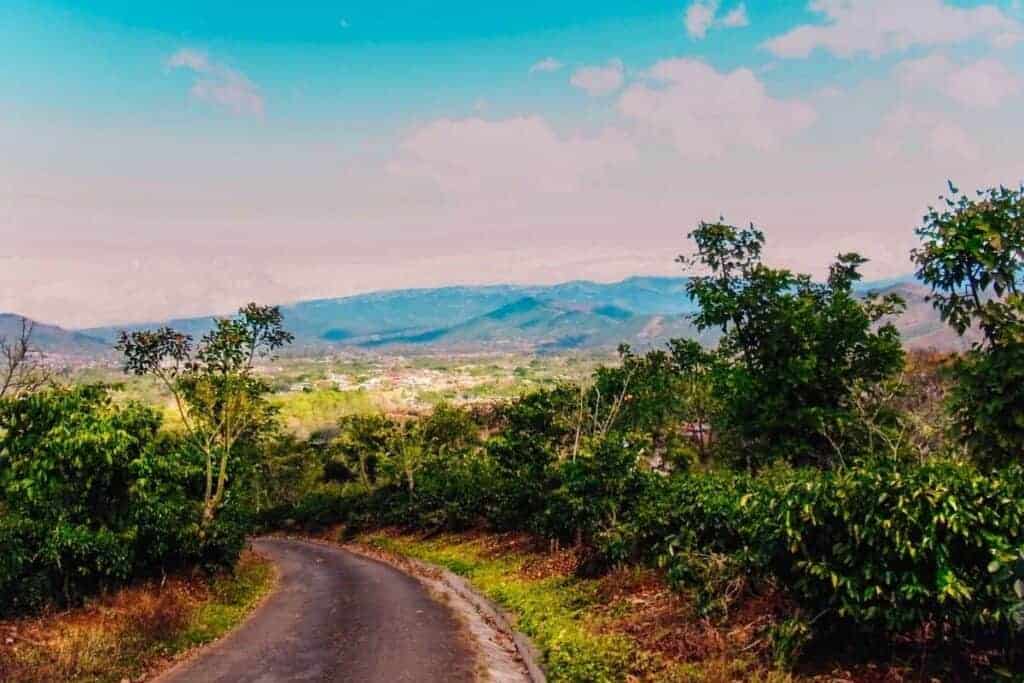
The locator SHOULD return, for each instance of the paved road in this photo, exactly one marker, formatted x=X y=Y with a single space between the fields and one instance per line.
x=335 y=616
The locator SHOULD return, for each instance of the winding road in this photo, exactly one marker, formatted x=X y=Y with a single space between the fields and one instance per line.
x=335 y=616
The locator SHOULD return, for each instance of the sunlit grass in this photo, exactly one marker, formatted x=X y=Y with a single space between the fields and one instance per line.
x=304 y=412
x=553 y=612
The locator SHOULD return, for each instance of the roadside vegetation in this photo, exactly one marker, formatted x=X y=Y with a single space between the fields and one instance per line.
x=120 y=537
x=804 y=498
x=134 y=631
x=852 y=510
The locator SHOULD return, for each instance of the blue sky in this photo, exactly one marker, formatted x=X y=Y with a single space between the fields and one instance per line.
x=171 y=158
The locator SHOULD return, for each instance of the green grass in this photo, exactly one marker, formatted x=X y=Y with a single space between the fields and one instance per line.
x=304 y=412
x=567 y=618
x=553 y=612
x=234 y=596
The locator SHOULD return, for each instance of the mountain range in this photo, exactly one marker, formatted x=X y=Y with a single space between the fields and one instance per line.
x=642 y=311
x=53 y=340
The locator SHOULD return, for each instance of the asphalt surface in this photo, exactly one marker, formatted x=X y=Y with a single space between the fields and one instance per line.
x=335 y=616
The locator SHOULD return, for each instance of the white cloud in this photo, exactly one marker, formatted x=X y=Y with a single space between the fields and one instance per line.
x=737 y=17
x=924 y=71
x=509 y=157
x=546 y=65
x=599 y=80
x=218 y=84
x=1005 y=41
x=876 y=27
x=983 y=84
x=701 y=16
x=707 y=112
x=907 y=132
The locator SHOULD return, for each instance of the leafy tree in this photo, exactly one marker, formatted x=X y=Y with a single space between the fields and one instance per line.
x=794 y=349
x=360 y=447
x=663 y=399
x=93 y=495
x=972 y=256
x=972 y=253
x=69 y=453
x=406 y=455
x=219 y=398
x=449 y=430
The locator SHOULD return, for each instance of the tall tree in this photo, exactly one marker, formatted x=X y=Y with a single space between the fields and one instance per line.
x=795 y=349
x=218 y=396
x=972 y=256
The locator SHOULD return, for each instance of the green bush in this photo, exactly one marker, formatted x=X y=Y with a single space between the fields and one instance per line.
x=887 y=546
x=94 y=496
x=882 y=547
x=987 y=403
x=597 y=493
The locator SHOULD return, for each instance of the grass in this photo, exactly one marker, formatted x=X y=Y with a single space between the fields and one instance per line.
x=132 y=632
x=621 y=627
x=552 y=611
x=304 y=412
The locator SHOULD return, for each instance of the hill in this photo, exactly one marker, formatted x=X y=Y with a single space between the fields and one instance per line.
x=642 y=311
x=56 y=342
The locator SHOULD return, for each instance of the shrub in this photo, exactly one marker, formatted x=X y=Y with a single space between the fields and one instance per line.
x=94 y=497
x=597 y=493
x=881 y=547
x=972 y=257
x=887 y=546
x=793 y=351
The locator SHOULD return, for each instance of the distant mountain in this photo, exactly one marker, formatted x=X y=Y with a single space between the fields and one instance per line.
x=55 y=341
x=642 y=311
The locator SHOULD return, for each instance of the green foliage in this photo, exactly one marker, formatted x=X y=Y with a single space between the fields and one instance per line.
x=220 y=400
x=987 y=403
x=597 y=492
x=93 y=496
x=654 y=398
x=359 y=448
x=972 y=256
x=547 y=610
x=793 y=350
x=788 y=639
x=887 y=546
x=882 y=546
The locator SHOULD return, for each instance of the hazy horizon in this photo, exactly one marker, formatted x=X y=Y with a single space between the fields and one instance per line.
x=174 y=160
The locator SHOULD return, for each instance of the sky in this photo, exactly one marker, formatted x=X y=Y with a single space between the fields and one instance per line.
x=182 y=158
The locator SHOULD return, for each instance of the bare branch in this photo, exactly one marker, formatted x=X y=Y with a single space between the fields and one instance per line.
x=23 y=369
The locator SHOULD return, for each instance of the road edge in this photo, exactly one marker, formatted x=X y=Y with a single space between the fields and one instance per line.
x=185 y=657
x=497 y=617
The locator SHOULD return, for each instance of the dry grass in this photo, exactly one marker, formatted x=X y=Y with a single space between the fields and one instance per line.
x=128 y=634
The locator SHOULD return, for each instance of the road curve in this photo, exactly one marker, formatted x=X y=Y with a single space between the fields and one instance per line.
x=335 y=616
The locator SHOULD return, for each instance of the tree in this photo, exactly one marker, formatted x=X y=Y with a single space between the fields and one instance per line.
x=449 y=431
x=218 y=397
x=663 y=399
x=22 y=363
x=360 y=447
x=972 y=257
x=793 y=350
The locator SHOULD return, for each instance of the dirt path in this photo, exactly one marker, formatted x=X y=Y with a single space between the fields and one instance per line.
x=335 y=616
